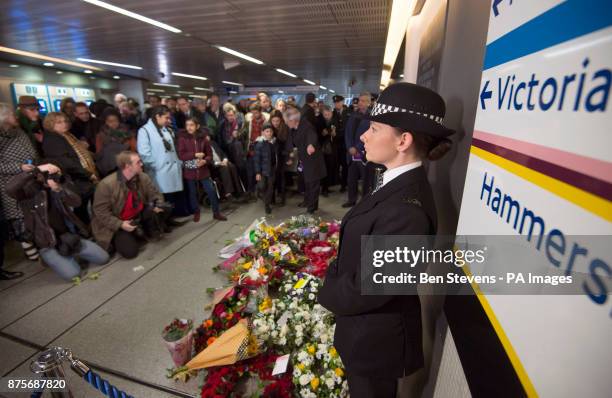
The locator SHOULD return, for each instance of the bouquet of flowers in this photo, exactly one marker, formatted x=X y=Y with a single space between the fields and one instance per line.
x=319 y=372
x=320 y=254
x=225 y=314
x=178 y=338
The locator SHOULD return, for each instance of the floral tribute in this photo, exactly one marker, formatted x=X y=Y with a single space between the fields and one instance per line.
x=273 y=282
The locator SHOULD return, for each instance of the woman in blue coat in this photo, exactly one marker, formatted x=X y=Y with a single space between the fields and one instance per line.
x=157 y=150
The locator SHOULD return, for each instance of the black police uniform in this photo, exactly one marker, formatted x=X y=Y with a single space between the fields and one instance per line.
x=379 y=337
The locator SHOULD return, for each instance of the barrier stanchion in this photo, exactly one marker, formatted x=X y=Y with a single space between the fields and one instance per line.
x=49 y=365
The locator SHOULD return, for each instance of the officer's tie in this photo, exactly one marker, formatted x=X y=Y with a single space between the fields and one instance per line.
x=379 y=180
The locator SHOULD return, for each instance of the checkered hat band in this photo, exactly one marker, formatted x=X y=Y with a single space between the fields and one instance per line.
x=381 y=109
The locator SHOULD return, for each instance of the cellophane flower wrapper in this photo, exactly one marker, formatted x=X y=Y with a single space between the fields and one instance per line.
x=178 y=339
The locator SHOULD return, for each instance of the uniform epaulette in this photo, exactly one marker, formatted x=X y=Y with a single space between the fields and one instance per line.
x=412 y=201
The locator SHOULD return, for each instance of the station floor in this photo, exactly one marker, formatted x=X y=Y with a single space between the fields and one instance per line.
x=115 y=322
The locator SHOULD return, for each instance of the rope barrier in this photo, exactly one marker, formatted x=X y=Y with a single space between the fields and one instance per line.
x=49 y=364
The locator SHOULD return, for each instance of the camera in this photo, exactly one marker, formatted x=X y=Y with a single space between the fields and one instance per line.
x=165 y=206
x=139 y=231
x=57 y=177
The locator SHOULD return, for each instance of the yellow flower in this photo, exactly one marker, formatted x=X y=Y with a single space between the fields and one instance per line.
x=311 y=349
x=247 y=265
x=262 y=270
x=339 y=372
x=333 y=352
x=265 y=304
x=301 y=366
x=265 y=244
x=314 y=383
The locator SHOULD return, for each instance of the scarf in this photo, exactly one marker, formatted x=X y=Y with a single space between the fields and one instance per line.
x=84 y=155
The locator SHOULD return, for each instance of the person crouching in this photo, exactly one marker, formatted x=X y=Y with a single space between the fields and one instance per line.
x=265 y=164
x=46 y=197
x=195 y=152
x=128 y=208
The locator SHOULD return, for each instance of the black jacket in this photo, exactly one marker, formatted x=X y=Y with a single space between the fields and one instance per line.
x=266 y=157
x=309 y=114
x=314 y=165
x=58 y=151
x=379 y=336
x=34 y=199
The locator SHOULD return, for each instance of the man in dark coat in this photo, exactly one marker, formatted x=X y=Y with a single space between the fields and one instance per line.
x=308 y=111
x=340 y=117
x=84 y=127
x=304 y=137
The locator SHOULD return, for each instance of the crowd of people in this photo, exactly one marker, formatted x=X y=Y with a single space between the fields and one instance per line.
x=78 y=185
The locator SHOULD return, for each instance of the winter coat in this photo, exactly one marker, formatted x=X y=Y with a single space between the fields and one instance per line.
x=355 y=127
x=58 y=151
x=164 y=167
x=245 y=133
x=188 y=146
x=15 y=149
x=109 y=201
x=33 y=199
x=266 y=157
x=314 y=165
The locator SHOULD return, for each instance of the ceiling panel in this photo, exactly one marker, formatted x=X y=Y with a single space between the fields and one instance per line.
x=330 y=42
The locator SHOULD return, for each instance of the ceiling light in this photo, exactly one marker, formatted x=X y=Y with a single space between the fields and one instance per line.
x=281 y=92
x=284 y=72
x=331 y=91
x=133 y=15
x=13 y=66
x=48 y=64
x=323 y=87
x=159 y=90
x=95 y=61
x=231 y=83
x=401 y=11
x=44 y=57
x=116 y=77
x=239 y=55
x=310 y=82
x=202 y=88
x=233 y=92
x=185 y=92
x=189 y=76
x=166 y=85
x=59 y=72
x=88 y=71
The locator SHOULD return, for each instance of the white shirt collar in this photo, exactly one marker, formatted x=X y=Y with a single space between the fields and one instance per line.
x=395 y=172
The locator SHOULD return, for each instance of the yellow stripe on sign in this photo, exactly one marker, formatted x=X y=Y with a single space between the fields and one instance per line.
x=592 y=203
x=514 y=359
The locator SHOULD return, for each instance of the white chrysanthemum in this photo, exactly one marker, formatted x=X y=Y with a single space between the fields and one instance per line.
x=304 y=379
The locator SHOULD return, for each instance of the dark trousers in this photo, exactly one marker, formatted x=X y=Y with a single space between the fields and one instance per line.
x=369 y=387
x=250 y=168
x=179 y=202
x=127 y=244
x=343 y=164
x=311 y=194
x=330 y=167
x=192 y=187
x=266 y=189
x=280 y=181
x=356 y=172
x=81 y=212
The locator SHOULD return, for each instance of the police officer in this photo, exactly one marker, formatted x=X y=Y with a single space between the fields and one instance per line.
x=379 y=337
